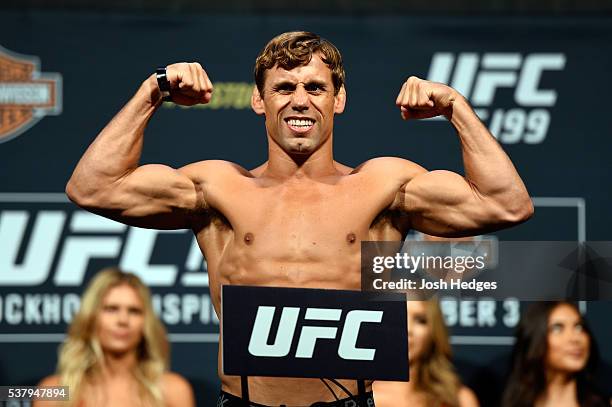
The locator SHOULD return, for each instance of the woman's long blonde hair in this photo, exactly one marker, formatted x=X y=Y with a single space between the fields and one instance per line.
x=436 y=375
x=81 y=356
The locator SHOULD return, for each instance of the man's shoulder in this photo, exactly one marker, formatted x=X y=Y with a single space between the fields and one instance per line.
x=391 y=165
x=215 y=168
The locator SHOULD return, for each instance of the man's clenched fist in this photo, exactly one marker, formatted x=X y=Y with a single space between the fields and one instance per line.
x=421 y=99
x=189 y=83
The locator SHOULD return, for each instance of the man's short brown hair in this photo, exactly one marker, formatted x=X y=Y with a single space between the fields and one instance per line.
x=292 y=49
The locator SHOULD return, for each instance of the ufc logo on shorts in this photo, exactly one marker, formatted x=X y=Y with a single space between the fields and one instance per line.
x=479 y=77
x=258 y=343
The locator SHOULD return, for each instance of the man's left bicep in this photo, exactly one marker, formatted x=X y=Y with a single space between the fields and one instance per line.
x=444 y=203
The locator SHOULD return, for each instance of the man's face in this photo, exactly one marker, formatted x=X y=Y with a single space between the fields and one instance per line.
x=299 y=106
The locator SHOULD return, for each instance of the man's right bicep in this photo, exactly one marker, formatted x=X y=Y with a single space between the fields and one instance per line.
x=152 y=196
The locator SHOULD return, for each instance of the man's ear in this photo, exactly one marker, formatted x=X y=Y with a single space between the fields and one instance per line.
x=340 y=101
x=257 y=102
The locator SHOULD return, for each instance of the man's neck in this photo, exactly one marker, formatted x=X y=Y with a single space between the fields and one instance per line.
x=283 y=165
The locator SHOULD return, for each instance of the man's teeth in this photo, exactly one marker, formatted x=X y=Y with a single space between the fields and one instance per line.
x=301 y=123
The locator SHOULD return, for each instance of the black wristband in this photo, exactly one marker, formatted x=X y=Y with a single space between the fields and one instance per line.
x=163 y=84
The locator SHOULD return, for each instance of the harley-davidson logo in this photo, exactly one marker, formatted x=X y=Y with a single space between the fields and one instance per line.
x=26 y=94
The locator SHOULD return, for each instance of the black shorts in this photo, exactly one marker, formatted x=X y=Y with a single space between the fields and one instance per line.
x=229 y=400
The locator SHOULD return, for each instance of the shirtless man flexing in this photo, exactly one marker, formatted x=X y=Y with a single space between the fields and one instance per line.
x=298 y=219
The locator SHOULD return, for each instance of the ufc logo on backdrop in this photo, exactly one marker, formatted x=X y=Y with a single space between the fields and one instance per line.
x=480 y=77
x=309 y=335
x=60 y=243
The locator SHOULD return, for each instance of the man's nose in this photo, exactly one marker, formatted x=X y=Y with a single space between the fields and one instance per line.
x=300 y=99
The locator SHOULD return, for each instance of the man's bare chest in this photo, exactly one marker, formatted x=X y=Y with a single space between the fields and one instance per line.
x=300 y=227
x=295 y=222
x=309 y=206
x=303 y=235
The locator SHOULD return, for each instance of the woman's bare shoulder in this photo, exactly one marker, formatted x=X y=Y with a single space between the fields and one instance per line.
x=467 y=398
x=53 y=380
x=177 y=390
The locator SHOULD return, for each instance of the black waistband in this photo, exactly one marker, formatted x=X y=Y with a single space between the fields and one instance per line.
x=229 y=400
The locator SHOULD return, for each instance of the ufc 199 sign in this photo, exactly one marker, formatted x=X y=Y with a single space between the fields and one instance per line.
x=480 y=77
x=297 y=332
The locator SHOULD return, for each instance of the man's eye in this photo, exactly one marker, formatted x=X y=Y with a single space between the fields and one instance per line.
x=314 y=88
x=286 y=88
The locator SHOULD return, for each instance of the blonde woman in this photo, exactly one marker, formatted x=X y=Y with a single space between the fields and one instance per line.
x=433 y=381
x=116 y=352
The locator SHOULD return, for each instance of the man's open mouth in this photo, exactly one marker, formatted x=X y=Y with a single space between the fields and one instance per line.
x=300 y=125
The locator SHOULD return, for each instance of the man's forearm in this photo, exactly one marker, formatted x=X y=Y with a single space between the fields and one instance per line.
x=487 y=167
x=116 y=150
